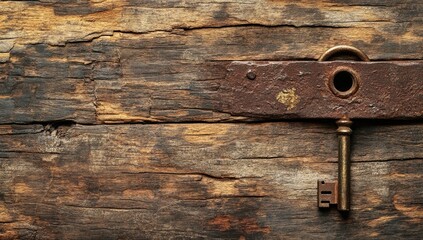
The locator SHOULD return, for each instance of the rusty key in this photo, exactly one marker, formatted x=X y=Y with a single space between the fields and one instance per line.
x=338 y=193
x=344 y=161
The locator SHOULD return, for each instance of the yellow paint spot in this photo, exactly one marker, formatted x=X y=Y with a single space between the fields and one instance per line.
x=289 y=98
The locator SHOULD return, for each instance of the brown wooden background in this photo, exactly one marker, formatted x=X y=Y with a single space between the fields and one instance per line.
x=109 y=128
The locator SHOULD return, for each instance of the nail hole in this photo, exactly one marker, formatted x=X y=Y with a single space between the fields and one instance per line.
x=343 y=81
x=251 y=75
x=324 y=201
x=326 y=192
x=323 y=182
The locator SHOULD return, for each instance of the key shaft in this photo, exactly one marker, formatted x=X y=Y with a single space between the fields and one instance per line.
x=344 y=161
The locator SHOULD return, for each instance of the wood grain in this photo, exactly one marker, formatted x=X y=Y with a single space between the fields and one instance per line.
x=208 y=181
x=156 y=61
x=109 y=127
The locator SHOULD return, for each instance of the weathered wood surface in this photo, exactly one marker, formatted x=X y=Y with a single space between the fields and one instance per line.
x=162 y=61
x=238 y=181
x=69 y=68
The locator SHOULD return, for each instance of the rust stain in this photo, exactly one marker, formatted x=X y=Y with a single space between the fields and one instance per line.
x=288 y=97
x=250 y=225
x=223 y=223
x=9 y=235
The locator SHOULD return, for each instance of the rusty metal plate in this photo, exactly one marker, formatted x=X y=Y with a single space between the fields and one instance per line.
x=305 y=89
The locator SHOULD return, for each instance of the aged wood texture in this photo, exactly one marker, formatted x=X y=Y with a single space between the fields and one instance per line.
x=69 y=69
x=237 y=181
x=162 y=61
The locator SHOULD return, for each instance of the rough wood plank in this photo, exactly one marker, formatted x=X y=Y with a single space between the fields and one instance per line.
x=57 y=22
x=157 y=61
x=46 y=84
x=207 y=181
x=91 y=62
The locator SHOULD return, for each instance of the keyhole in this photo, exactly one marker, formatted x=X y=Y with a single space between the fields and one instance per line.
x=344 y=82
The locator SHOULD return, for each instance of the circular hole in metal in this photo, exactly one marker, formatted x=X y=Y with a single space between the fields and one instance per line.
x=344 y=83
